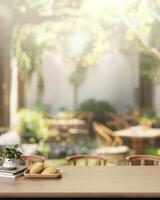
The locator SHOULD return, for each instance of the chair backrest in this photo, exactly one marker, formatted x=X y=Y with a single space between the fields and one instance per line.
x=115 y=139
x=143 y=160
x=98 y=159
x=107 y=134
x=30 y=158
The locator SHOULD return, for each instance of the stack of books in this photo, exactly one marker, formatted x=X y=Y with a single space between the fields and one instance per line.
x=12 y=173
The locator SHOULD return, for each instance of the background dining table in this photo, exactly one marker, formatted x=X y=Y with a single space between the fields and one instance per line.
x=86 y=182
x=140 y=136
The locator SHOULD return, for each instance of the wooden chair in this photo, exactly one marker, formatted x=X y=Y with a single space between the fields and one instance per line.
x=99 y=159
x=111 y=116
x=107 y=134
x=142 y=160
x=132 y=118
x=30 y=158
x=110 y=145
x=115 y=122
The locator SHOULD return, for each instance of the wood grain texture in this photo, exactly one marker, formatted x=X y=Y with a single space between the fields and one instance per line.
x=139 y=132
x=117 y=181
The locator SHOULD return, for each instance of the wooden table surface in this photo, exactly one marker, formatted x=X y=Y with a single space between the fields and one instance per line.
x=117 y=181
x=139 y=132
x=140 y=137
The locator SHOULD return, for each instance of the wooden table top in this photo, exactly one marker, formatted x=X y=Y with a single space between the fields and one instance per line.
x=65 y=122
x=139 y=132
x=115 y=181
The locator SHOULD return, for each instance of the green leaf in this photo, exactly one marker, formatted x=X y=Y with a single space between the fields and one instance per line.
x=16 y=146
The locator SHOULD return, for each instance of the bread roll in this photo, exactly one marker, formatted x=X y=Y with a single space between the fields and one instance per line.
x=37 y=168
x=48 y=164
x=49 y=170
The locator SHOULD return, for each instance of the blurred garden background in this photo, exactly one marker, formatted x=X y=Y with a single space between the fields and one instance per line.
x=75 y=74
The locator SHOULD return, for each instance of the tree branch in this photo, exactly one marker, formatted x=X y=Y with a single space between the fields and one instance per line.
x=154 y=52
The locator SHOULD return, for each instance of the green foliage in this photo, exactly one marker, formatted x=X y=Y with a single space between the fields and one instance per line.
x=31 y=126
x=80 y=62
x=97 y=108
x=64 y=113
x=136 y=21
x=152 y=151
x=148 y=66
x=32 y=41
x=29 y=48
x=149 y=114
x=12 y=153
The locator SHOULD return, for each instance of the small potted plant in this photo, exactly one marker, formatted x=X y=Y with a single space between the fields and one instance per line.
x=10 y=156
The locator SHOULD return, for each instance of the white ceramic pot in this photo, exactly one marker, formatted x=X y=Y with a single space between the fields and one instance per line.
x=9 y=163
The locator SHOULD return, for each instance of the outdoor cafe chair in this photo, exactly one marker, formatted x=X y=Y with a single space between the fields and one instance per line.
x=110 y=145
x=98 y=159
x=143 y=160
x=107 y=134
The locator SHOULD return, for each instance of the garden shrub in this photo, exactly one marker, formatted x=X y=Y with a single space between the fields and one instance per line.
x=98 y=108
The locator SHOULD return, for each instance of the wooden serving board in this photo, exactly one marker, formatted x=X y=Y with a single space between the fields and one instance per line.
x=42 y=176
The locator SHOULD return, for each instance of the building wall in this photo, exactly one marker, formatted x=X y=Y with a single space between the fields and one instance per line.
x=114 y=79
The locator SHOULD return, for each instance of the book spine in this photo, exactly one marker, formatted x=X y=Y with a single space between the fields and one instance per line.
x=11 y=176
